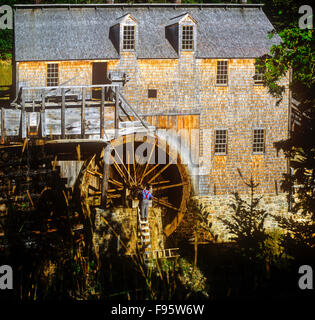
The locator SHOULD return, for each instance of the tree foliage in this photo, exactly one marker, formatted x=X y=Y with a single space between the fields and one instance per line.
x=296 y=54
x=247 y=224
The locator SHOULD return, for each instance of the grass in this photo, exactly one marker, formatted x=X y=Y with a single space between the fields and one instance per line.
x=5 y=80
x=5 y=72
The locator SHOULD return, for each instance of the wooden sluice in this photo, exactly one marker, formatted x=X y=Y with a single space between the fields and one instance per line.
x=62 y=132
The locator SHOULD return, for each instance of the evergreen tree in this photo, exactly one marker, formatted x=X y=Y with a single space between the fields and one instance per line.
x=247 y=225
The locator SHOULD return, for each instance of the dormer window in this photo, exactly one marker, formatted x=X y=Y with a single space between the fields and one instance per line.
x=129 y=38
x=124 y=34
x=182 y=33
x=187 y=38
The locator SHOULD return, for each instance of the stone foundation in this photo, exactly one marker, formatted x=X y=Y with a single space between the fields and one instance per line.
x=218 y=207
x=124 y=222
x=123 y=234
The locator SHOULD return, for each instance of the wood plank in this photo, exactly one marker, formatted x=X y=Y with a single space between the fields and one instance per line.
x=102 y=113
x=165 y=204
x=106 y=157
x=170 y=186
x=63 y=114
x=116 y=120
x=43 y=117
x=83 y=113
x=2 y=125
x=23 y=127
x=149 y=159
x=163 y=169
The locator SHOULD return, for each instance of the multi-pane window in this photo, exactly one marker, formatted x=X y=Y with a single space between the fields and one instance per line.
x=222 y=72
x=259 y=76
x=259 y=140
x=52 y=75
x=129 y=38
x=187 y=38
x=220 y=145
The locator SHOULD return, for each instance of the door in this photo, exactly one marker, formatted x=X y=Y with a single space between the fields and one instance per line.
x=99 y=76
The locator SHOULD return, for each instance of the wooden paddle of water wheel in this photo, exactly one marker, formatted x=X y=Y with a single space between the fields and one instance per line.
x=132 y=162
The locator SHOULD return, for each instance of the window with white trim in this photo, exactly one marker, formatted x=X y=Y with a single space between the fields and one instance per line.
x=52 y=74
x=222 y=72
x=187 y=38
x=129 y=37
x=259 y=141
x=220 y=146
x=259 y=76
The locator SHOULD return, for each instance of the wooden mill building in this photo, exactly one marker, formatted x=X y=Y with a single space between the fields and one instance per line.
x=185 y=67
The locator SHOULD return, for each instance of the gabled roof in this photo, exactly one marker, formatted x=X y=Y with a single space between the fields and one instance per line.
x=182 y=18
x=81 y=32
x=125 y=18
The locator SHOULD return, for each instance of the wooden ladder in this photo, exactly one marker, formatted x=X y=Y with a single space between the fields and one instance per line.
x=145 y=240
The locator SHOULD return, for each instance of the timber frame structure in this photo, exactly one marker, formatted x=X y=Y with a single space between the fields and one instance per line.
x=184 y=75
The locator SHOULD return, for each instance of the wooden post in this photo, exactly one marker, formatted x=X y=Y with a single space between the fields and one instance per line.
x=102 y=114
x=23 y=117
x=43 y=117
x=106 y=157
x=2 y=126
x=83 y=114
x=63 y=114
x=116 y=111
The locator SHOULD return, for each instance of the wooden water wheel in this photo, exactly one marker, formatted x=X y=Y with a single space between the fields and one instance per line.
x=135 y=161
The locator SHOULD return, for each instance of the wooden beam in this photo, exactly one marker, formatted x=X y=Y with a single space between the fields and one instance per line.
x=63 y=114
x=23 y=132
x=43 y=116
x=106 y=157
x=153 y=168
x=148 y=161
x=164 y=168
x=121 y=173
x=102 y=113
x=74 y=87
x=165 y=203
x=170 y=186
x=83 y=113
x=2 y=125
x=116 y=120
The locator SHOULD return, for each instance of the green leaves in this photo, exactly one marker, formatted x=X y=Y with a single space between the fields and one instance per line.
x=296 y=53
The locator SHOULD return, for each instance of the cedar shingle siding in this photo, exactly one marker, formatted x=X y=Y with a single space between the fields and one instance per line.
x=169 y=86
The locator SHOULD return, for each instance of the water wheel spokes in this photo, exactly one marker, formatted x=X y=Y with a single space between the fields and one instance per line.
x=130 y=170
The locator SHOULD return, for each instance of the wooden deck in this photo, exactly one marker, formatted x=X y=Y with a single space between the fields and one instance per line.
x=67 y=112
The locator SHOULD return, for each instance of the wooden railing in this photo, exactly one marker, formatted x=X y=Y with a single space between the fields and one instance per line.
x=39 y=99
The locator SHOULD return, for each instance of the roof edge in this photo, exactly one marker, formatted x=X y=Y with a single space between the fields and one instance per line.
x=140 y=5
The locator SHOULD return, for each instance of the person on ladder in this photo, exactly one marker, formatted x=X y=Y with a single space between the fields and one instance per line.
x=144 y=204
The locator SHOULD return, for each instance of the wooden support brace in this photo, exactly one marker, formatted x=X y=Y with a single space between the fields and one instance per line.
x=102 y=113
x=23 y=132
x=2 y=125
x=43 y=117
x=83 y=113
x=106 y=158
x=63 y=114
x=116 y=111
